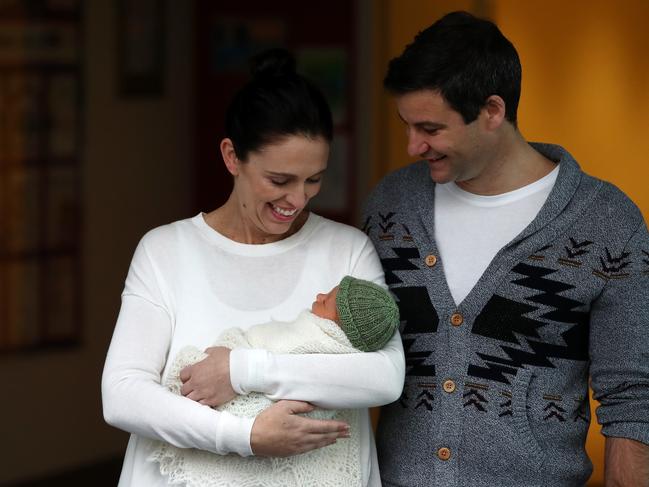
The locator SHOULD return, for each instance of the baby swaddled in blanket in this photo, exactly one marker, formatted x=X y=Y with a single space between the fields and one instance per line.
x=355 y=316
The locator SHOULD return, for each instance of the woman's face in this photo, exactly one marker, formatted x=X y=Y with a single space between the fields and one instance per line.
x=276 y=182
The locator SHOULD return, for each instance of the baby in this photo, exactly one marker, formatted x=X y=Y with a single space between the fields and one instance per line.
x=355 y=316
x=366 y=313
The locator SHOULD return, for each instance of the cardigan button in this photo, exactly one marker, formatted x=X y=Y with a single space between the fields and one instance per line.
x=457 y=319
x=444 y=453
x=449 y=386
x=430 y=260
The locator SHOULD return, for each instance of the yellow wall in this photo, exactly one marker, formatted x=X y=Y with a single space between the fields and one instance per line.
x=586 y=82
x=585 y=86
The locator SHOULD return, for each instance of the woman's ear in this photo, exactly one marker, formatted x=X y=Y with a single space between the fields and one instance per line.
x=230 y=156
x=495 y=111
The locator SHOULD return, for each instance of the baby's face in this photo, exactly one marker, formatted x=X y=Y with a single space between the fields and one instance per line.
x=324 y=305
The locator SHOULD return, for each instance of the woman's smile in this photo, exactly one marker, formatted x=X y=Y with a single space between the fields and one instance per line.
x=283 y=213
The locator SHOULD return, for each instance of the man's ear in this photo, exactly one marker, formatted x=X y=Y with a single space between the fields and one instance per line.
x=494 y=110
x=230 y=156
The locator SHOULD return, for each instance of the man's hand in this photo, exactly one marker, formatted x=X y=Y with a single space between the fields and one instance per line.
x=208 y=381
x=279 y=431
x=626 y=464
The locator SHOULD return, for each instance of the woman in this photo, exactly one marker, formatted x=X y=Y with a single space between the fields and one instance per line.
x=258 y=256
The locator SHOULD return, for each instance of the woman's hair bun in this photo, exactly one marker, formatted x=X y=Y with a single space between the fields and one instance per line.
x=272 y=63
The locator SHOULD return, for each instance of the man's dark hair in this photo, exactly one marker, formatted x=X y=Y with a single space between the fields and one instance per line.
x=466 y=59
x=276 y=103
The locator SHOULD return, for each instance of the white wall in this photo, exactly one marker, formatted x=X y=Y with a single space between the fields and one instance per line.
x=137 y=173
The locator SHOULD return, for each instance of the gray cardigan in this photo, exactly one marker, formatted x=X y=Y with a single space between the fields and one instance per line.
x=496 y=388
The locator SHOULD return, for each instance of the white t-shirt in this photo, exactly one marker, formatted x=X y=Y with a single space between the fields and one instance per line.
x=470 y=229
x=186 y=284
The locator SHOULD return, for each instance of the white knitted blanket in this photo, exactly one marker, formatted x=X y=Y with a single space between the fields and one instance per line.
x=335 y=465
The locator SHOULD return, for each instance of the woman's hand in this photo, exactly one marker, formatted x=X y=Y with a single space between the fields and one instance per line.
x=208 y=381
x=279 y=431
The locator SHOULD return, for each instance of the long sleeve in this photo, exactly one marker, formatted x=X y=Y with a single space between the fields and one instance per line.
x=340 y=381
x=327 y=380
x=619 y=347
x=134 y=399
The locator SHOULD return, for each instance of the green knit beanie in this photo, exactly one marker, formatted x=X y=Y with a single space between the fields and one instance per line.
x=368 y=314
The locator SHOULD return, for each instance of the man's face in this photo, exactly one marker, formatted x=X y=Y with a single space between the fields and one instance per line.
x=454 y=150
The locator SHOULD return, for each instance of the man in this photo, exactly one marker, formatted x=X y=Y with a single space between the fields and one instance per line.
x=518 y=276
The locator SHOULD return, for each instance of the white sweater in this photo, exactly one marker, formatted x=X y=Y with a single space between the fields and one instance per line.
x=186 y=284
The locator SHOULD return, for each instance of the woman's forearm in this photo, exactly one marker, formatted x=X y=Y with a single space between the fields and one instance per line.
x=135 y=401
x=351 y=380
